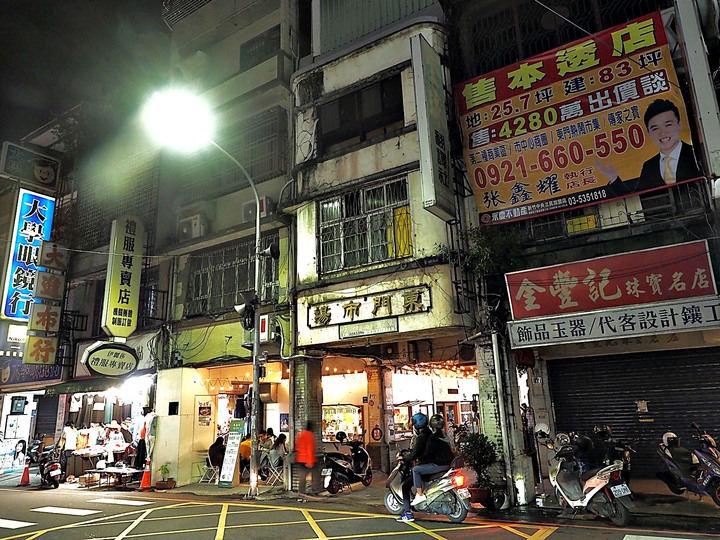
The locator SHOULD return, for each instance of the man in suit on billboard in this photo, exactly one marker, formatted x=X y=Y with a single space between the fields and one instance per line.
x=674 y=163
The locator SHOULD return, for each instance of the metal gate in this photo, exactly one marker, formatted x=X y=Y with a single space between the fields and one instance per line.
x=47 y=408
x=641 y=396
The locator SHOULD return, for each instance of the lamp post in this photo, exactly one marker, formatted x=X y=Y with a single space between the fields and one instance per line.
x=182 y=121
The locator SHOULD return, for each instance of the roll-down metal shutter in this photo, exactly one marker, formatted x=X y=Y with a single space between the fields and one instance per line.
x=678 y=386
x=47 y=408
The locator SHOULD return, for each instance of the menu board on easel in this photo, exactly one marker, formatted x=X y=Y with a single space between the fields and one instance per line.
x=229 y=474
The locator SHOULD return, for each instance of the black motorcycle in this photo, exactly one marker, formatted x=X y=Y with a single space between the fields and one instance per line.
x=613 y=450
x=340 y=470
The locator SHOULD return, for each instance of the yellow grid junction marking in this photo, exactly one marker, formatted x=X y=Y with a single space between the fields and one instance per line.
x=311 y=516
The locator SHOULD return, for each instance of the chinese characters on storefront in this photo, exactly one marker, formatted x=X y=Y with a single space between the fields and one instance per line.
x=438 y=196
x=33 y=224
x=122 y=288
x=45 y=313
x=662 y=318
x=640 y=277
x=567 y=129
x=366 y=311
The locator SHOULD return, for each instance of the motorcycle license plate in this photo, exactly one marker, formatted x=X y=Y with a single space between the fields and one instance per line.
x=464 y=493
x=621 y=490
x=55 y=473
x=326 y=472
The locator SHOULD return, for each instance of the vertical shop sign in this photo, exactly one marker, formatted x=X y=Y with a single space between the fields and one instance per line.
x=122 y=288
x=40 y=350
x=54 y=256
x=435 y=171
x=570 y=127
x=33 y=224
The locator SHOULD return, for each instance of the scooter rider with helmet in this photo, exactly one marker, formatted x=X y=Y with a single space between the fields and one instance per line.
x=437 y=457
x=422 y=434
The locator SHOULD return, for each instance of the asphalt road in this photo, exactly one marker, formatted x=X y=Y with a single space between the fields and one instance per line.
x=106 y=514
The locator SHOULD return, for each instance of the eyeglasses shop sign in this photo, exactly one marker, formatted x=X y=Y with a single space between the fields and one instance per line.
x=110 y=359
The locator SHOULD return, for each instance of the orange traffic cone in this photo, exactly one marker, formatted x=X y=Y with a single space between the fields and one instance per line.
x=145 y=482
x=25 y=480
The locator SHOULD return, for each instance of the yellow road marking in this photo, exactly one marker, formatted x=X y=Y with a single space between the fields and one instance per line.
x=543 y=533
x=315 y=527
x=134 y=524
x=220 y=534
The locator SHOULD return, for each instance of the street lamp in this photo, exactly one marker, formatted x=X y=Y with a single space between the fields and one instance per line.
x=183 y=121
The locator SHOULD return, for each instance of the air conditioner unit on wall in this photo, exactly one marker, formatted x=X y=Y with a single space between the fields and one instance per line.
x=248 y=209
x=192 y=227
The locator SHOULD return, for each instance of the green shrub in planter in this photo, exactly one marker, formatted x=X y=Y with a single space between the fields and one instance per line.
x=479 y=453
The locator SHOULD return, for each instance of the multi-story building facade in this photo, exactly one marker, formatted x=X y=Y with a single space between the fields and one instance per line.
x=608 y=310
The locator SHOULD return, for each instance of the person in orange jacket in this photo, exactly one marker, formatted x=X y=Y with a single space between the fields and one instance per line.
x=305 y=457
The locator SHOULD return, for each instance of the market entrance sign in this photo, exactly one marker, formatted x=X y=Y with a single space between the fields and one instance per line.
x=110 y=359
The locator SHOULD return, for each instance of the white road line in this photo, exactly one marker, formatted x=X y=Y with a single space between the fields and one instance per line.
x=65 y=511
x=128 y=502
x=11 y=524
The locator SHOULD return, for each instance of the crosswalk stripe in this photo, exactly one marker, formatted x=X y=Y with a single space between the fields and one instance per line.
x=128 y=502
x=65 y=511
x=12 y=524
x=640 y=537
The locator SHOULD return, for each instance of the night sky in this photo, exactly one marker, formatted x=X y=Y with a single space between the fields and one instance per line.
x=56 y=53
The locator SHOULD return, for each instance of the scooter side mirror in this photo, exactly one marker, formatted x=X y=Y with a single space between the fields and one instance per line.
x=695 y=426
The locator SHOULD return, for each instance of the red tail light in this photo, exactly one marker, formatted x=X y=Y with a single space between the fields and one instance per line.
x=615 y=475
x=459 y=480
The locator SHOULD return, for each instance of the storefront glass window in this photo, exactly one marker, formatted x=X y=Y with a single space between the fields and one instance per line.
x=347 y=418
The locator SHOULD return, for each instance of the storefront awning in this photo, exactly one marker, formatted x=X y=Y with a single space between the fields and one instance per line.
x=98 y=384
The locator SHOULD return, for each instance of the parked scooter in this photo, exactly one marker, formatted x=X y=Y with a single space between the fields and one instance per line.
x=600 y=491
x=49 y=467
x=340 y=470
x=34 y=451
x=613 y=450
x=446 y=492
x=696 y=471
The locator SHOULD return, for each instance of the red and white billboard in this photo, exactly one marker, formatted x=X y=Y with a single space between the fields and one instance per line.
x=638 y=277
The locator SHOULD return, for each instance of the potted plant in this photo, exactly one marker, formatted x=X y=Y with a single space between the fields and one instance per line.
x=165 y=483
x=479 y=453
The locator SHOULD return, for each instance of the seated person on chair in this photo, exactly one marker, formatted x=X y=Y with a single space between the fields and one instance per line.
x=278 y=451
x=216 y=453
x=245 y=451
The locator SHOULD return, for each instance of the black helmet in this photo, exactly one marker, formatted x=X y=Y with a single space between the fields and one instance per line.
x=437 y=421
x=419 y=420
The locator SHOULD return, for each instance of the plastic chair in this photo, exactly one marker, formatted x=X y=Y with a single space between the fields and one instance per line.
x=210 y=473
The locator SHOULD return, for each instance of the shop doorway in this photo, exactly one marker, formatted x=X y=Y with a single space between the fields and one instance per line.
x=449 y=411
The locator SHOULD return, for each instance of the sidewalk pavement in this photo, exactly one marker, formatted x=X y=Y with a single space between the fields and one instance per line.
x=651 y=498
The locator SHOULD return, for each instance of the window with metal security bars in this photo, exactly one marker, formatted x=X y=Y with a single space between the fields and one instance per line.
x=361 y=115
x=260 y=144
x=222 y=278
x=260 y=48
x=365 y=226
x=343 y=22
x=174 y=11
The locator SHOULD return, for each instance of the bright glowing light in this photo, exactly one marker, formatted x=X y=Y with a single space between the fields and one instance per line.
x=179 y=120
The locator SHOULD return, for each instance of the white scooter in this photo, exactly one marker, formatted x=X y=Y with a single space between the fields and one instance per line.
x=445 y=491
x=599 y=491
